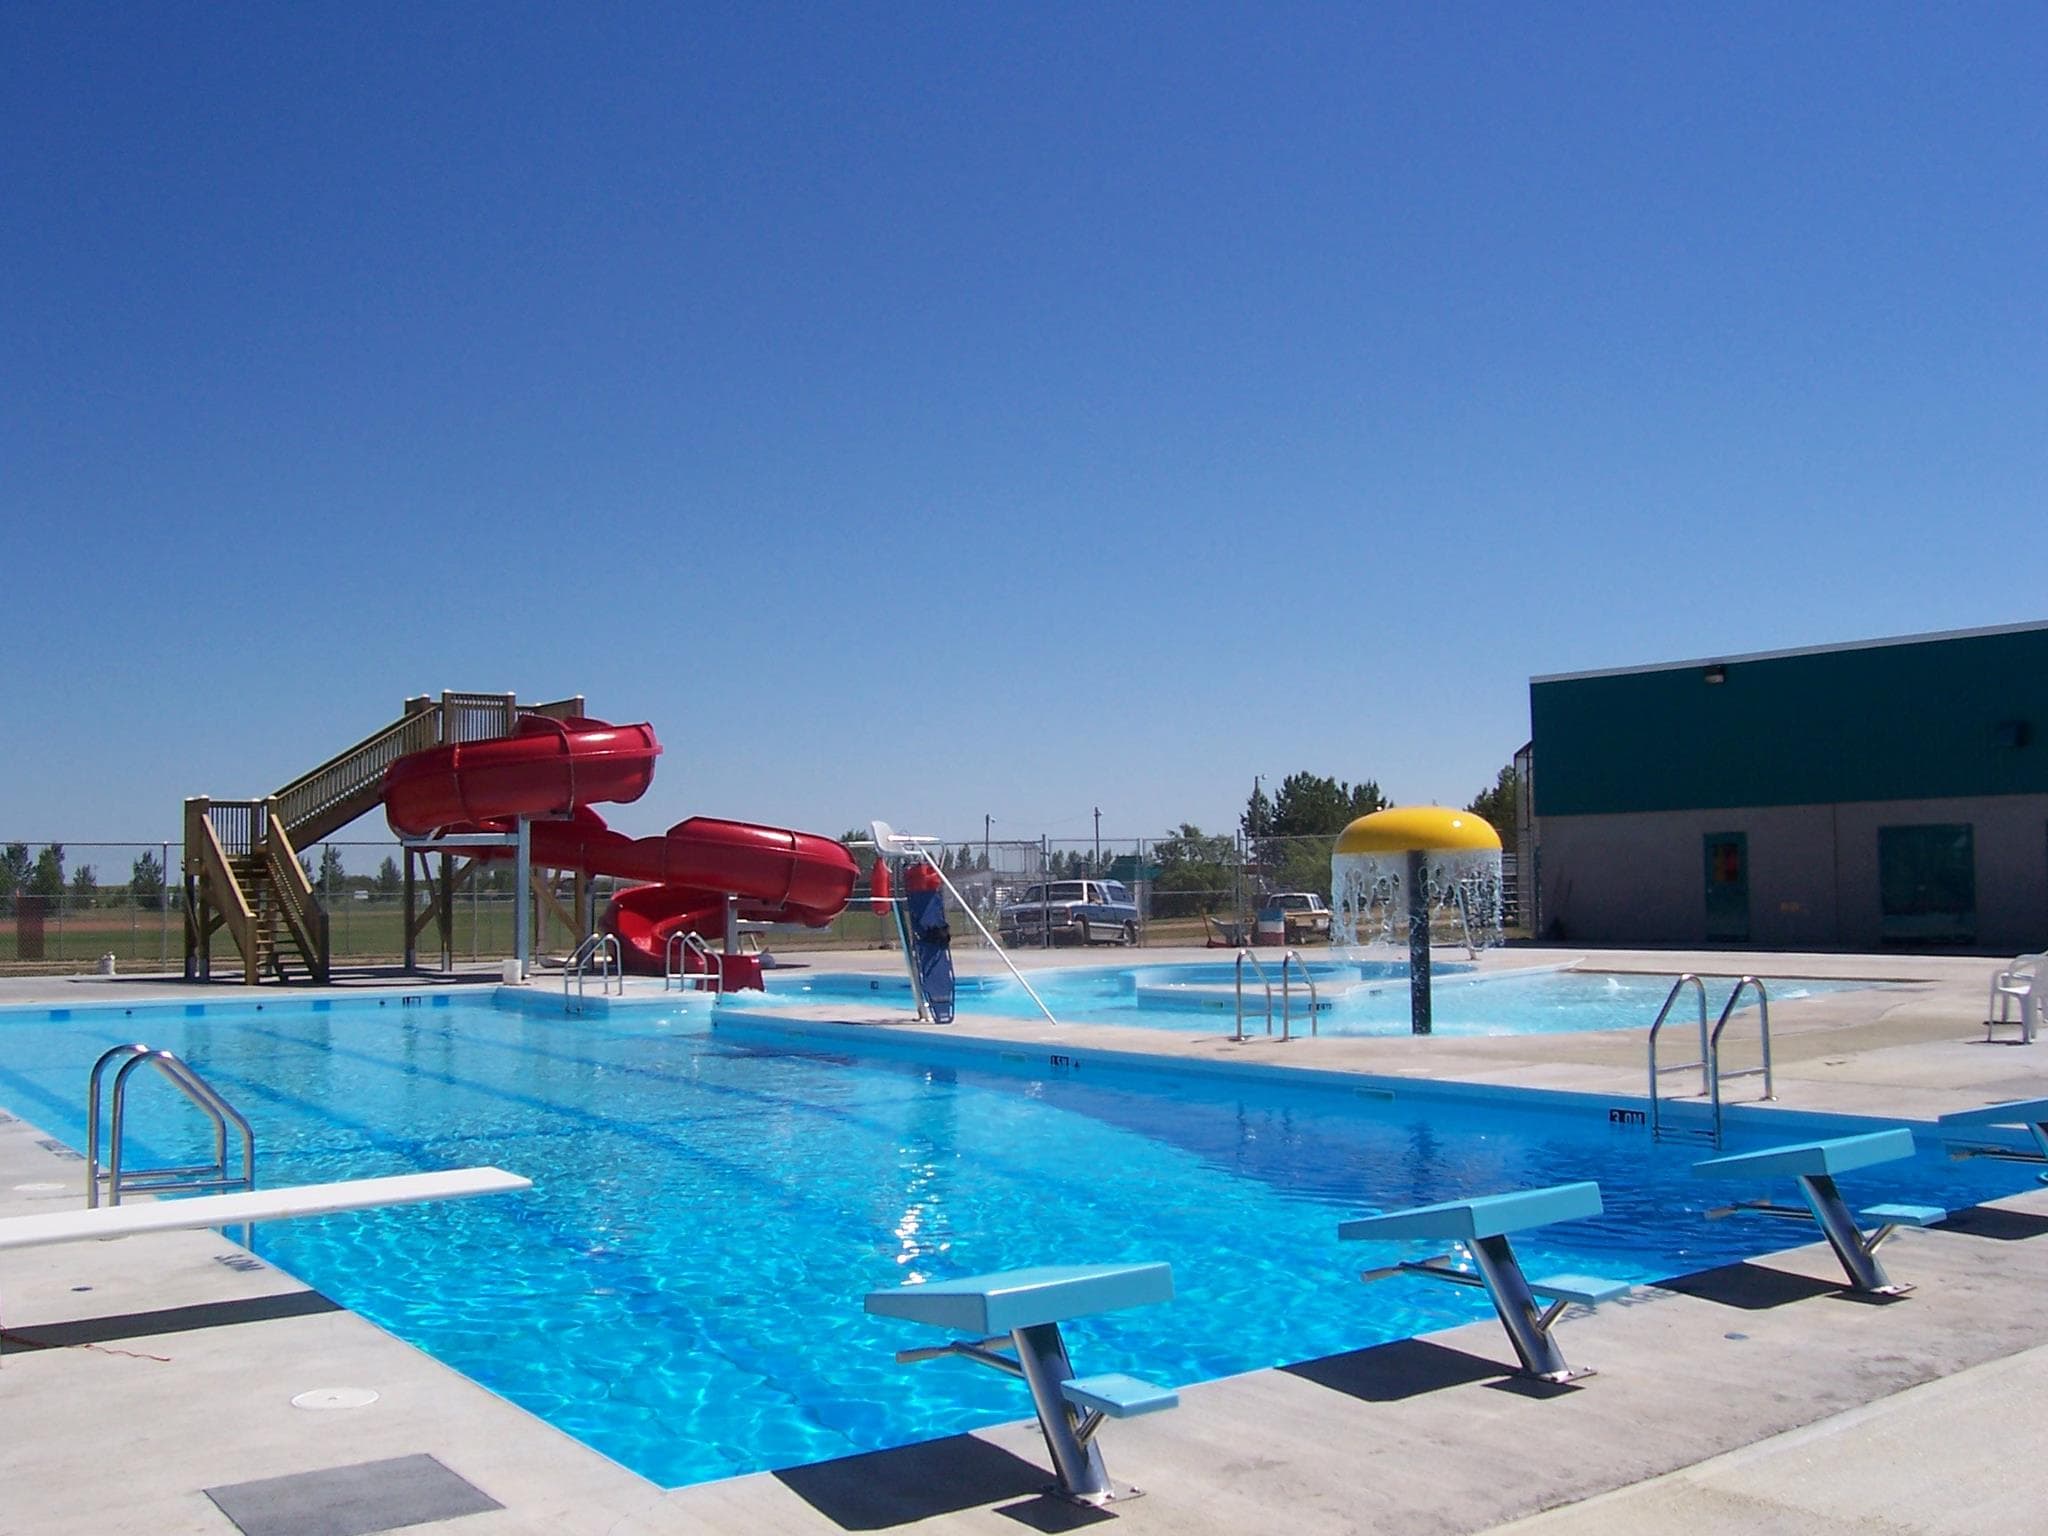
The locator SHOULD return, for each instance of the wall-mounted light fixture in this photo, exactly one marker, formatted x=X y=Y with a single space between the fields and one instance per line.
x=1715 y=674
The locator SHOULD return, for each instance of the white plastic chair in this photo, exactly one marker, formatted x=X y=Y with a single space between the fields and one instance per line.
x=2022 y=985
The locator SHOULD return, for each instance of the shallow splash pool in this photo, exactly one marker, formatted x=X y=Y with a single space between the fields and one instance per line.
x=1355 y=997
x=682 y=1287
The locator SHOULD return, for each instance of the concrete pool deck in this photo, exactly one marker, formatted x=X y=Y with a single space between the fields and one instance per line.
x=136 y=1374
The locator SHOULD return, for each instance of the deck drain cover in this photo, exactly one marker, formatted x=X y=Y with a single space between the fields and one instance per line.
x=335 y=1397
x=39 y=1187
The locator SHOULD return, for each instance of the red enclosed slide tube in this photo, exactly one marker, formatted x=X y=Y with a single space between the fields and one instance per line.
x=557 y=768
x=545 y=768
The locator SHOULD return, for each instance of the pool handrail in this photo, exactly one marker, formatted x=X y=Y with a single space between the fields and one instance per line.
x=1714 y=1073
x=1264 y=980
x=1292 y=957
x=186 y=1178
x=1657 y=1027
x=674 y=969
x=604 y=949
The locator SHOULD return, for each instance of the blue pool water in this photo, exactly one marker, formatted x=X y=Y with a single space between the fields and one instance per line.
x=1356 y=997
x=682 y=1288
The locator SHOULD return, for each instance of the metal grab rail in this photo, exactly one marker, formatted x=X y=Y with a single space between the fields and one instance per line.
x=674 y=970
x=1709 y=1062
x=1714 y=1073
x=1315 y=1002
x=604 y=949
x=1670 y=1000
x=1265 y=980
x=170 y=1179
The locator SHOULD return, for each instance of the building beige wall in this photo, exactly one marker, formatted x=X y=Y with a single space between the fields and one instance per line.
x=1640 y=879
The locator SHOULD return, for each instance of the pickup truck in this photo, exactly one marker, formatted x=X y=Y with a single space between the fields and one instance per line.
x=1308 y=916
x=1085 y=911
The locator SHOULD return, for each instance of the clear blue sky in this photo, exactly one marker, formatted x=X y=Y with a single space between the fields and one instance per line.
x=931 y=411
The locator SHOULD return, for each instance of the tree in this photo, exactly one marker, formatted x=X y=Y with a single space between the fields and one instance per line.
x=1499 y=805
x=963 y=860
x=331 y=878
x=85 y=888
x=47 y=878
x=1293 y=852
x=1257 y=821
x=388 y=878
x=15 y=866
x=1309 y=805
x=1196 y=872
x=146 y=882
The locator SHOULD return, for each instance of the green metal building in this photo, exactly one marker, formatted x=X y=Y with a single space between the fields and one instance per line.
x=1888 y=793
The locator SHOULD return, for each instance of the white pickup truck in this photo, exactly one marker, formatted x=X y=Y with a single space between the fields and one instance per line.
x=1084 y=911
x=1308 y=916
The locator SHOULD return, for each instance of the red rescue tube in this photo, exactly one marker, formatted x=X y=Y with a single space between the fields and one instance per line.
x=548 y=767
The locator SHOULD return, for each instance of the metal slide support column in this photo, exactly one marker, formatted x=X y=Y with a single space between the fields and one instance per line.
x=444 y=912
x=522 y=888
x=1516 y=1304
x=412 y=949
x=1418 y=943
x=1043 y=1355
x=1825 y=1201
x=732 y=927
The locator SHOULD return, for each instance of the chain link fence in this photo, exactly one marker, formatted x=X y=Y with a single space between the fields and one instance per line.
x=65 y=908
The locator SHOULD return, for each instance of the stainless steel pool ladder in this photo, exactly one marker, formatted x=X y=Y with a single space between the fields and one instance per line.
x=182 y=1179
x=1288 y=961
x=600 y=950
x=675 y=971
x=1709 y=1062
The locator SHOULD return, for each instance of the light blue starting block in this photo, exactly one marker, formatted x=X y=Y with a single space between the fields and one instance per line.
x=1480 y=1227
x=2031 y=1115
x=1814 y=1164
x=1023 y=1309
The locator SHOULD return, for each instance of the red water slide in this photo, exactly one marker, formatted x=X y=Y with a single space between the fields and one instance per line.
x=557 y=768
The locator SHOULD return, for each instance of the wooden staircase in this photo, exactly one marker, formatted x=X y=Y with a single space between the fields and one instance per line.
x=242 y=869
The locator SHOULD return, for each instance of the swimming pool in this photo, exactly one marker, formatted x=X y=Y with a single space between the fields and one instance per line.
x=682 y=1288
x=1358 y=997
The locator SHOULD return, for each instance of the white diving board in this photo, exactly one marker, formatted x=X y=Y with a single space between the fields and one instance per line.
x=80 y=1226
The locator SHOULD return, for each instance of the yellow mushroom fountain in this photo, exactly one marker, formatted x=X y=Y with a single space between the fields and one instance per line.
x=1404 y=864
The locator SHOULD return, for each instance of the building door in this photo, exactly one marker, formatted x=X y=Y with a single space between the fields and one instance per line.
x=1727 y=887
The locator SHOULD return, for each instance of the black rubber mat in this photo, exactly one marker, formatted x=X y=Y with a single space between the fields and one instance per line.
x=351 y=1501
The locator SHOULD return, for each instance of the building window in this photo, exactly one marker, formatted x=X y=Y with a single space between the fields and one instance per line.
x=1927 y=884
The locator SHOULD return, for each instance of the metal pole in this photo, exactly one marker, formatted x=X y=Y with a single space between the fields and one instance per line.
x=1098 y=840
x=986 y=821
x=522 y=886
x=1044 y=891
x=1418 y=943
